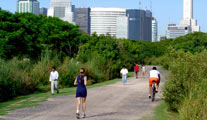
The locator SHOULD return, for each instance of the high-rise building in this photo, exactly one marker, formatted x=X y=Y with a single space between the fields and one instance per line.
x=74 y=13
x=140 y=24
x=31 y=6
x=154 y=30
x=130 y=24
x=104 y=20
x=83 y=19
x=122 y=26
x=61 y=9
x=43 y=11
x=187 y=25
x=174 y=31
x=188 y=19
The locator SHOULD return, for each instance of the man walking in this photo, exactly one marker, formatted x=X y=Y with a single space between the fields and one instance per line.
x=54 y=80
x=124 y=74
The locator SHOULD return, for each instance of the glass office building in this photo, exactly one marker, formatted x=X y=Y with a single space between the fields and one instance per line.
x=83 y=19
x=31 y=6
x=43 y=11
x=140 y=24
x=61 y=9
x=154 y=30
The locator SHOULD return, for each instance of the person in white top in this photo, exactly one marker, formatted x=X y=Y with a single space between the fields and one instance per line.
x=54 y=80
x=154 y=76
x=124 y=74
x=143 y=70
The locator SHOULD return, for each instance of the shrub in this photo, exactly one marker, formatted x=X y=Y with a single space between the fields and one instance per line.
x=186 y=90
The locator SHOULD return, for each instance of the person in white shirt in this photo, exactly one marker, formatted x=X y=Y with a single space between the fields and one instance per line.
x=154 y=76
x=124 y=74
x=54 y=80
x=143 y=70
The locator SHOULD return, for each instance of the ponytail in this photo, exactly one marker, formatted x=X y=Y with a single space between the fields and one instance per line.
x=80 y=78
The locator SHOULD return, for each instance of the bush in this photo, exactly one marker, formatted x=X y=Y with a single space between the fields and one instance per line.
x=15 y=78
x=186 y=90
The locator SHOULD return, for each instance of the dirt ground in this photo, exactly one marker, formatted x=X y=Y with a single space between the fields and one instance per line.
x=110 y=102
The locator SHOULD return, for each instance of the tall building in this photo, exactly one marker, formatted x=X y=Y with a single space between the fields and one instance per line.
x=43 y=11
x=61 y=9
x=83 y=19
x=104 y=20
x=122 y=26
x=187 y=25
x=188 y=19
x=140 y=24
x=74 y=13
x=31 y=6
x=154 y=30
x=174 y=31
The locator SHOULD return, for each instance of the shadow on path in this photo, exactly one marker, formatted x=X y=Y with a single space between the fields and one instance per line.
x=103 y=114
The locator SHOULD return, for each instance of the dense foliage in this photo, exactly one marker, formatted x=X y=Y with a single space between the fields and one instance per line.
x=30 y=45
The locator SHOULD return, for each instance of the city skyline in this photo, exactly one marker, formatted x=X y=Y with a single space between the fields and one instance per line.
x=166 y=12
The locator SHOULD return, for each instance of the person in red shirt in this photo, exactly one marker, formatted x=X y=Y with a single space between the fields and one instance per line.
x=136 y=69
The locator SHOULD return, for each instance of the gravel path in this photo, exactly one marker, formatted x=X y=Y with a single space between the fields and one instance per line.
x=111 y=102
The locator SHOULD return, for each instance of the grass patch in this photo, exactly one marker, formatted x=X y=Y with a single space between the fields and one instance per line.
x=36 y=98
x=161 y=113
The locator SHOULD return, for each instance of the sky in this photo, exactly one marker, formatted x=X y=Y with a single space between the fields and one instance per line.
x=165 y=11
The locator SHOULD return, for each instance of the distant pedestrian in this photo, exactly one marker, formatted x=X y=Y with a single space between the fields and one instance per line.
x=81 y=93
x=124 y=74
x=136 y=69
x=54 y=80
x=143 y=70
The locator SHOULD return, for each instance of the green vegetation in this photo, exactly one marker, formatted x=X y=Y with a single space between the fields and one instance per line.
x=186 y=91
x=161 y=113
x=36 y=98
x=30 y=45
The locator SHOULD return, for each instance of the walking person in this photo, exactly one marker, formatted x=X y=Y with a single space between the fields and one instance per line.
x=54 y=80
x=81 y=93
x=143 y=70
x=124 y=74
x=136 y=69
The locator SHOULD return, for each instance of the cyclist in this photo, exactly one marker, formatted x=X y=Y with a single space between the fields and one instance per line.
x=154 y=76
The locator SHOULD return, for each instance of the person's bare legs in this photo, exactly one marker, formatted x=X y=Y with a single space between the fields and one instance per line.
x=136 y=74
x=84 y=106
x=78 y=108
x=157 y=86
x=78 y=104
x=150 y=90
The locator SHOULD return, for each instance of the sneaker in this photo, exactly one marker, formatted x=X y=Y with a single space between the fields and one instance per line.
x=149 y=96
x=84 y=116
x=78 y=115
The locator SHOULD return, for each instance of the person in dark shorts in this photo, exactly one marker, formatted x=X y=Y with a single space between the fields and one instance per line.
x=81 y=93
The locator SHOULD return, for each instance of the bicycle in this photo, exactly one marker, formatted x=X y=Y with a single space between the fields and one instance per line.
x=153 y=90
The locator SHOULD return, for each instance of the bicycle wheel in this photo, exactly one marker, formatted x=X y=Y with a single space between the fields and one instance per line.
x=153 y=93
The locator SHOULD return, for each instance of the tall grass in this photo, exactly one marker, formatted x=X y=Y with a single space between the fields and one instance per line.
x=23 y=76
x=186 y=91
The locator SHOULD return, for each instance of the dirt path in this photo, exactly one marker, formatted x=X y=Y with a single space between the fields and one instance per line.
x=111 y=102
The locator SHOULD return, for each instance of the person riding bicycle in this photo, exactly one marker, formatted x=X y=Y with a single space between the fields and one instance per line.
x=154 y=76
